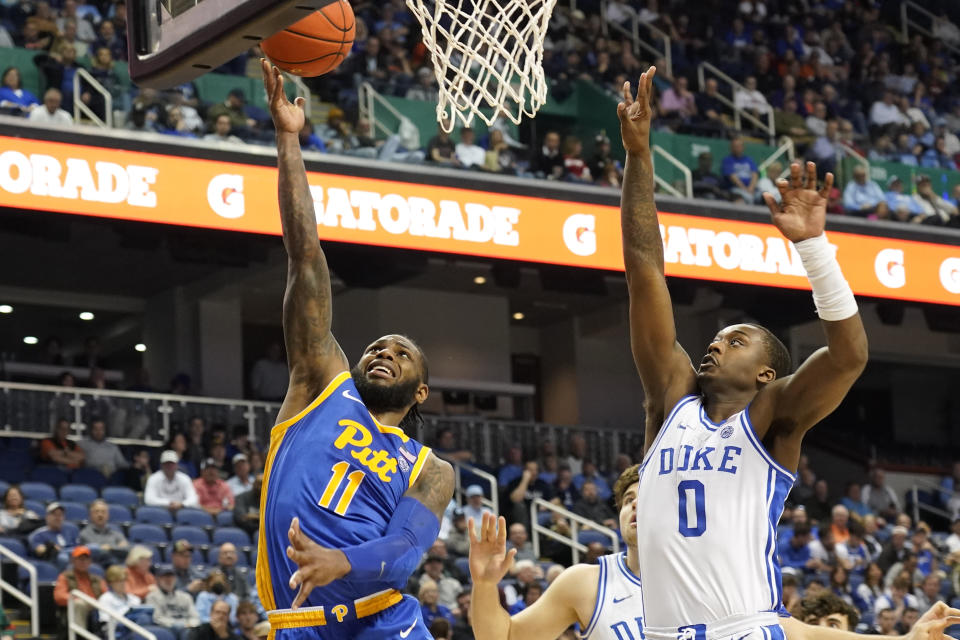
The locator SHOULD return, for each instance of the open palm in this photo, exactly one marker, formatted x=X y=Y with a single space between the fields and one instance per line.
x=802 y=211
x=288 y=117
x=489 y=559
x=635 y=114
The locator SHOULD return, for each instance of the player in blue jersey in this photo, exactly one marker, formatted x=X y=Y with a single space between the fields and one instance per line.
x=349 y=503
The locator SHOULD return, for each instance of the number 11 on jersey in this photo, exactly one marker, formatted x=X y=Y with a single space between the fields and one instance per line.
x=686 y=489
x=353 y=483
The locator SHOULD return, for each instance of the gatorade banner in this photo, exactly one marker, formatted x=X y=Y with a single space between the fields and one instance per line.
x=148 y=187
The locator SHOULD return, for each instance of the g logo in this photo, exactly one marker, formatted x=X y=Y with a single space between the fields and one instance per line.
x=579 y=234
x=225 y=195
x=889 y=268
x=950 y=274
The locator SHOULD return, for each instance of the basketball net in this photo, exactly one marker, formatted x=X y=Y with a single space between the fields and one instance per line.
x=487 y=55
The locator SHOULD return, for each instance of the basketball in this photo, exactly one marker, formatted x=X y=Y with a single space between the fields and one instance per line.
x=315 y=45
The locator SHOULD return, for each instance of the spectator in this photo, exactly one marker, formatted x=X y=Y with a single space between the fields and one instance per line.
x=740 y=172
x=247 y=619
x=531 y=593
x=826 y=553
x=500 y=157
x=222 y=131
x=928 y=593
x=99 y=536
x=852 y=500
x=310 y=141
x=512 y=467
x=56 y=536
x=78 y=576
x=178 y=444
x=83 y=29
x=475 y=507
x=591 y=507
x=470 y=154
x=767 y=183
x=100 y=454
x=246 y=508
x=216 y=588
x=446 y=447
x=425 y=88
x=602 y=159
x=189 y=576
x=826 y=148
x=172 y=608
x=169 y=487
x=218 y=625
x=706 y=183
x=15 y=518
x=448 y=588
x=935 y=157
x=907 y=620
x=949 y=486
x=524 y=490
x=863 y=197
x=885 y=113
x=816 y=122
x=109 y=38
x=139 y=579
x=574 y=167
x=952 y=541
x=897 y=598
x=213 y=493
x=227 y=563
x=710 y=118
x=677 y=103
x=881 y=499
x=548 y=163
x=578 y=452
x=819 y=505
x=518 y=539
x=788 y=122
x=429 y=606
x=870 y=589
x=116 y=599
x=270 y=375
x=441 y=150
x=927 y=554
x=458 y=539
x=795 y=551
x=525 y=572
x=895 y=550
x=751 y=100
x=233 y=108
x=855 y=548
x=241 y=481
x=59 y=450
x=828 y=610
x=840 y=583
x=885 y=623
x=903 y=207
x=51 y=113
x=564 y=491
x=936 y=210
x=462 y=629
x=139 y=472
x=14 y=99
x=839 y=521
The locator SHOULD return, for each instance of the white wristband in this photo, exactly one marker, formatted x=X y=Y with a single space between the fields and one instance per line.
x=831 y=293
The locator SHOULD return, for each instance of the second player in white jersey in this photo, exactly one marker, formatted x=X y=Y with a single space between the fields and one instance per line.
x=617 y=614
x=717 y=495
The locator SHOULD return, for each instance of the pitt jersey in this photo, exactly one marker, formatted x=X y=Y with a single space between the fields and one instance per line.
x=342 y=474
x=708 y=503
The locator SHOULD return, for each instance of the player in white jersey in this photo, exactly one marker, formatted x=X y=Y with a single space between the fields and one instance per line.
x=603 y=599
x=724 y=438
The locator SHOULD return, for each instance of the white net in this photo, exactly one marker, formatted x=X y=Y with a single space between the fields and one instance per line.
x=488 y=56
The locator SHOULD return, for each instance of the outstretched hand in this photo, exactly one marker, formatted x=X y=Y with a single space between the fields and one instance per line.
x=802 y=211
x=635 y=114
x=287 y=117
x=489 y=559
x=318 y=566
x=933 y=623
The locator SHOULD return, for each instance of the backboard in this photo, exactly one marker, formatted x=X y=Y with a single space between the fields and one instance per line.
x=174 y=41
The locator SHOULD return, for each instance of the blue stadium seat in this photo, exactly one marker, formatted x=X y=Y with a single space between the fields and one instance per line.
x=588 y=537
x=4 y=485
x=153 y=515
x=159 y=557
x=75 y=511
x=162 y=633
x=225 y=519
x=119 y=513
x=121 y=495
x=36 y=506
x=195 y=535
x=78 y=493
x=46 y=572
x=89 y=477
x=97 y=570
x=194 y=517
x=463 y=566
x=237 y=536
x=15 y=545
x=946 y=586
x=38 y=491
x=149 y=533
x=54 y=476
x=543 y=518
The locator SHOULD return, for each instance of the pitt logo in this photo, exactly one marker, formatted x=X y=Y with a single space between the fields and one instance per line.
x=340 y=611
x=357 y=435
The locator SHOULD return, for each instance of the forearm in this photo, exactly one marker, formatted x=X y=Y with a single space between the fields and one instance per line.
x=489 y=620
x=640 y=228
x=518 y=494
x=796 y=630
x=296 y=203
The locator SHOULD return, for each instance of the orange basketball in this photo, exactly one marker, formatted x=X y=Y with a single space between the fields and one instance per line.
x=315 y=45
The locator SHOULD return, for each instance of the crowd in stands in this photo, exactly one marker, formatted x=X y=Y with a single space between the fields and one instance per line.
x=836 y=76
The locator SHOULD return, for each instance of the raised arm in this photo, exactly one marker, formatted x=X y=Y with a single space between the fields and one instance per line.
x=786 y=409
x=313 y=354
x=665 y=370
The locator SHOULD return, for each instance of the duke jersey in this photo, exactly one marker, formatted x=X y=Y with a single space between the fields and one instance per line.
x=342 y=473
x=708 y=503
x=618 y=613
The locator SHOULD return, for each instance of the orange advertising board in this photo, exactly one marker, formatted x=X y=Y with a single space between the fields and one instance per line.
x=148 y=187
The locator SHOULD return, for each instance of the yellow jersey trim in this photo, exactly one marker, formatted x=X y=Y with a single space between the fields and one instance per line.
x=418 y=465
x=317 y=617
x=393 y=431
x=264 y=580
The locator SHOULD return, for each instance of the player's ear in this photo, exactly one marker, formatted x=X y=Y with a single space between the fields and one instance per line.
x=421 y=394
x=766 y=375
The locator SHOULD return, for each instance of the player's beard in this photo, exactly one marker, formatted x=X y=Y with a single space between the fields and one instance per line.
x=381 y=398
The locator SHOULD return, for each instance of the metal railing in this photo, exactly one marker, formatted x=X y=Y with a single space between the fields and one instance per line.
x=739 y=115
x=74 y=629
x=576 y=522
x=907 y=7
x=493 y=501
x=302 y=92
x=634 y=34
x=666 y=186
x=919 y=484
x=369 y=98
x=786 y=148
x=31 y=600
x=80 y=108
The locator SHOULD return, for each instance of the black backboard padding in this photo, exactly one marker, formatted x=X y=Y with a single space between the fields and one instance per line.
x=203 y=37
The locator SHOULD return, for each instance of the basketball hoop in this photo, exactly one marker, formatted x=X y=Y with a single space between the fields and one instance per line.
x=488 y=56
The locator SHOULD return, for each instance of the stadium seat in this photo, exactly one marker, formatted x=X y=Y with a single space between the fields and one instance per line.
x=588 y=537
x=162 y=633
x=153 y=515
x=195 y=535
x=119 y=514
x=463 y=566
x=75 y=511
x=149 y=533
x=96 y=570
x=225 y=519
x=15 y=545
x=89 y=477
x=46 y=572
x=36 y=506
x=194 y=517
x=78 y=493
x=120 y=495
x=237 y=536
x=53 y=476
x=4 y=485
x=40 y=491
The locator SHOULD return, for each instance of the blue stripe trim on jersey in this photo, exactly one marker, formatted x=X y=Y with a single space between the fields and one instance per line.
x=765 y=633
x=601 y=597
x=776 y=632
x=625 y=570
x=771 y=537
x=663 y=428
x=781 y=487
x=755 y=441
x=707 y=422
